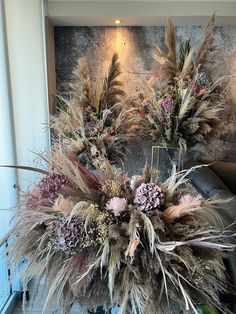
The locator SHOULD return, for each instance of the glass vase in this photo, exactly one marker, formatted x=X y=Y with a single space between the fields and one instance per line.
x=162 y=161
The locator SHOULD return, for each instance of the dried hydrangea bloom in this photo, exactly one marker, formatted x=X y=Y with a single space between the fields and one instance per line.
x=65 y=234
x=148 y=196
x=51 y=185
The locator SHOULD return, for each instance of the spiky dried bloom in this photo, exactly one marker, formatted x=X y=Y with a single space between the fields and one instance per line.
x=95 y=122
x=148 y=261
x=184 y=104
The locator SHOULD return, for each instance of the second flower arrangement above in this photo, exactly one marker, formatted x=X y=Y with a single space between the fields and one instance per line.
x=182 y=104
x=93 y=123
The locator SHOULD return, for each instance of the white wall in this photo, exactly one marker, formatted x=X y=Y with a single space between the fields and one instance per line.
x=27 y=64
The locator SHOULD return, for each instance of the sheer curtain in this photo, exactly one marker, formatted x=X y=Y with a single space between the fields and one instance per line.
x=7 y=156
x=23 y=107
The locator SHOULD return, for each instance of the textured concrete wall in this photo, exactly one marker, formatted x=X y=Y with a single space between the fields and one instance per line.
x=135 y=46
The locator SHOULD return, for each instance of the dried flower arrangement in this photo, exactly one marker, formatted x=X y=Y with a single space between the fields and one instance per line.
x=181 y=104
x=146 y=246
x=93 y=122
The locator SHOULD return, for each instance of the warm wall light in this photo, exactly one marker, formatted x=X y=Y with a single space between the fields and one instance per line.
x=117 y=22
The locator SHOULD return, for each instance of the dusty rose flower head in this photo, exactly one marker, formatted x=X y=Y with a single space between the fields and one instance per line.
x=148 y=196
x=51 y=185
x=190 y=199
x=153 y=79
x=117 y=205
x=111 y=138
x=146 y=102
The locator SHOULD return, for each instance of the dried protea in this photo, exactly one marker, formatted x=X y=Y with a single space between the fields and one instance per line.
x=51 y=185
x=65 y=234
x=148 y=196
x=203 y=79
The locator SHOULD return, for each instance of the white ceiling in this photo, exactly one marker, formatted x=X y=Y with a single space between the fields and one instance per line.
x=140 y=12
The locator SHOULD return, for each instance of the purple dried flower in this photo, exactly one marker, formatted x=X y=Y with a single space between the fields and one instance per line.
x=51 y=185
x=65 y=234
x=167 y=104
x=148 y=196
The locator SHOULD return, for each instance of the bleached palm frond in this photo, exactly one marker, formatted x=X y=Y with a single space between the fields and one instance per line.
x=186 y=103
x=187 y=61
x=159 y=56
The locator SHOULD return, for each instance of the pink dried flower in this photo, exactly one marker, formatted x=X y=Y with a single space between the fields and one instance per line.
x=146 y=102
x=148 y=196
x=190 y=199
x=153 y=79
x=141 y=115
x=167 y=103
x=199 y=91
x=111 y=138
x=187 y=204
x=117 y=205
x=51 y=185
